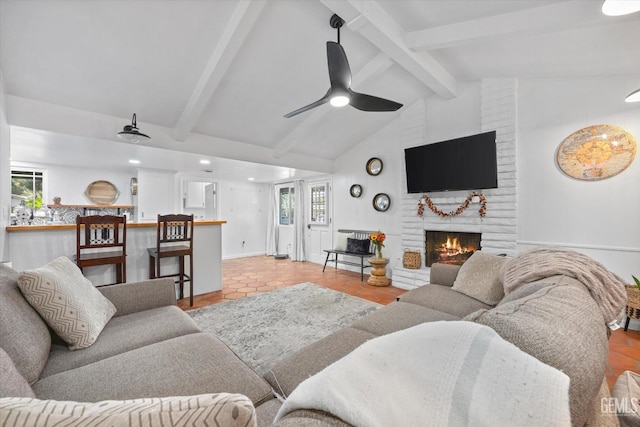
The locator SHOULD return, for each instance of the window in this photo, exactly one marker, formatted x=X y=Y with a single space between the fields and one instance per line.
x=318 y=195
x=286 y=203
x=27 y=186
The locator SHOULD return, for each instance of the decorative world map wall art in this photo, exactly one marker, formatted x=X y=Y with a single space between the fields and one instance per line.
x=596 y=152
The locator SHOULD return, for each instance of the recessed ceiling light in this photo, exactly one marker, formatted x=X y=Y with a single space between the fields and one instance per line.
x=620 y=7
x=134 y=161
x=251 y=179
x=205 y=162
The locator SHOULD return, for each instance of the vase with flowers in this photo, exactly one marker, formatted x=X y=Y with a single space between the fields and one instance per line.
x=377 y=239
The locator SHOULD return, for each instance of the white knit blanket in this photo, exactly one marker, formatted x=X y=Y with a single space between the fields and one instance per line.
x=438 y=374
x=606 y=288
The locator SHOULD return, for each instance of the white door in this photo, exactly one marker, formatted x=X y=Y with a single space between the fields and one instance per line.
x=318 y=219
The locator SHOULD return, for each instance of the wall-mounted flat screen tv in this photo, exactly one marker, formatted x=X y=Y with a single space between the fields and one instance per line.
x=467 y=163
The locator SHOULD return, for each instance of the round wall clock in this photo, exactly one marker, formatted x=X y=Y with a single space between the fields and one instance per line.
x=381 y=202
x=355 y=190
x=374 y=166
x=596 y=152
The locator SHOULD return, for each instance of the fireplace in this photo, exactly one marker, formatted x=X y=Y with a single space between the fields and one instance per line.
x=450 y=247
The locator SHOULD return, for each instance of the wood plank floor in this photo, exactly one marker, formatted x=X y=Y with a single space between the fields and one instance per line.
x=244 y=277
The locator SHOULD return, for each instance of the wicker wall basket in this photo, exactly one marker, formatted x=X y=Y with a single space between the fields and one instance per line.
x=411 y=259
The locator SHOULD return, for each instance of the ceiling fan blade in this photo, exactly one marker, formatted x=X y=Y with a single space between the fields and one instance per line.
x=319 y=102
x=365 y=102
x=339 y=71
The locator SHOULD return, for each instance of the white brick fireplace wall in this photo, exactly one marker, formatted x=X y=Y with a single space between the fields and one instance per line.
x=498 y=111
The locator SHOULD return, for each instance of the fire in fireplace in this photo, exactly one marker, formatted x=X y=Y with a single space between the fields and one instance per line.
x=450 y=247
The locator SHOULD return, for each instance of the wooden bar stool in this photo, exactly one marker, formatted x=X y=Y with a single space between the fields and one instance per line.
x=102 y=240
x=174 y=239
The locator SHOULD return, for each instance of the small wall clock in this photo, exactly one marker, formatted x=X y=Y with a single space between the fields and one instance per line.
x=355 y=190
x=374 y=166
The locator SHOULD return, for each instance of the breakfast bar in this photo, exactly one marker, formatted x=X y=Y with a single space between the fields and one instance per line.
x=32 y=246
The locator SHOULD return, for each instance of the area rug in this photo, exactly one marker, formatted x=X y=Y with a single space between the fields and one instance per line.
x=266 y=328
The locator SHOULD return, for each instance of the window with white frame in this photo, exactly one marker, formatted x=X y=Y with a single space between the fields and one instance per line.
x=286 y=204
x=27 y=186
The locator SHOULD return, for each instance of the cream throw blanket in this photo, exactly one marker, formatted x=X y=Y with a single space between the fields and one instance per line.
x=606 y=288
x=438 y=374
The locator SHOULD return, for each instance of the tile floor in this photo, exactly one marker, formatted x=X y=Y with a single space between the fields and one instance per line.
x=244 y=277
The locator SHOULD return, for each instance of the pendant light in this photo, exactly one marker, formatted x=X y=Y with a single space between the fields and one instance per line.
x=130 y=133
x=620 y=7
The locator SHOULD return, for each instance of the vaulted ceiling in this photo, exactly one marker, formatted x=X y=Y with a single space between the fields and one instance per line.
x=214 y=78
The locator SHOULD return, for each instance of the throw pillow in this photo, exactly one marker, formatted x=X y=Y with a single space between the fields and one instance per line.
x=479 y=278
x=626 y=393
x=341 y=241
x=358 y=246
x=67 y=301
x=221 y=409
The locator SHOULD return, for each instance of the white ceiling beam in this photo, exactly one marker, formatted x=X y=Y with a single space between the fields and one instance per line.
x=39 y=115
x=240 y=24
x=373 y=68
x=372 y=22
x=544 y=18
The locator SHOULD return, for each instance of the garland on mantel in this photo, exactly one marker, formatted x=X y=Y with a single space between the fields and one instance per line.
x=482 y=211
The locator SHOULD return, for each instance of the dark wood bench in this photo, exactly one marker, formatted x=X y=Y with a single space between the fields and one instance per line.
x=358 y=234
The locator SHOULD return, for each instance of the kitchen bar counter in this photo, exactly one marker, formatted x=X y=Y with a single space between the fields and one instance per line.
x=32 y=246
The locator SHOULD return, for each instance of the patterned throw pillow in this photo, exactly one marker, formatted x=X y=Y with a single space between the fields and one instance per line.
x=67 y=301
x=222 y=409
x=479 y=278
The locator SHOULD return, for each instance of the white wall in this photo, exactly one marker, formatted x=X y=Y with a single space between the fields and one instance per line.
x=244 y=206
x=70 y=183
x=599 y=218
x=5 y=174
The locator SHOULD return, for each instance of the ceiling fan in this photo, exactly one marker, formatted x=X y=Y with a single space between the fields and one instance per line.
x=340 y=93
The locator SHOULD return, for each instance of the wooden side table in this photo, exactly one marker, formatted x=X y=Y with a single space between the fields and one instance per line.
x=633 y=305
x=378 y=275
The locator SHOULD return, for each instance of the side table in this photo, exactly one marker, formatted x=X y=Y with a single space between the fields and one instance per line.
x=378 y=275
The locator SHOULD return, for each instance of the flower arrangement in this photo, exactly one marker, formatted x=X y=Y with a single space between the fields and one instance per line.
x=377 y=239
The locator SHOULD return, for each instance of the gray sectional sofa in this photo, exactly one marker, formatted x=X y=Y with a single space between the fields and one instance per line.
x=152 y=349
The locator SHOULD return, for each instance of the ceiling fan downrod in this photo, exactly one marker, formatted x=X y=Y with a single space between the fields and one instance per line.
x=336 y=22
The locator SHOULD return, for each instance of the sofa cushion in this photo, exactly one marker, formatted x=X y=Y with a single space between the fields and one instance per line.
x=289 y=372
x=443 y=274
x=627 y=394
x=23 y=334
x=437 y=374
x=562 y=326
x=12 y=384
x=444 y=299
x=479 y=278
x=191 y=364
x=67 y=301
x=223 y=409
x=397 y=316
x=123 y=334
x=341 y=241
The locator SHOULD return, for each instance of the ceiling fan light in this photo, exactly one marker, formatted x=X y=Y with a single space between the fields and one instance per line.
x=339 y=100
x=130 y=133
x=620 y=7
x=633 y=96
